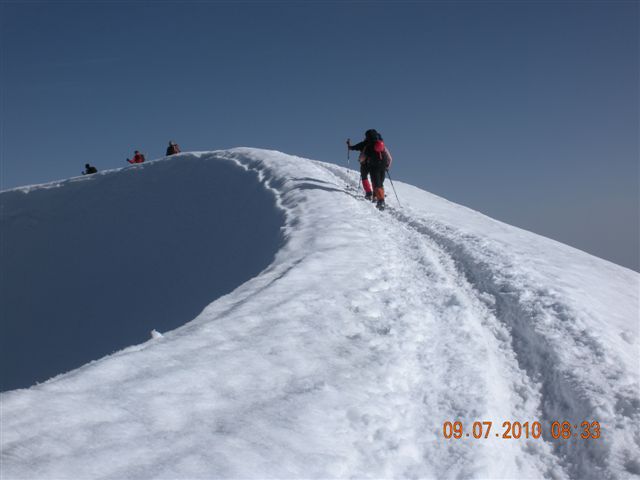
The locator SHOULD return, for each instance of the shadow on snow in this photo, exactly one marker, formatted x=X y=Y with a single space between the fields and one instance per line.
x=92 y=266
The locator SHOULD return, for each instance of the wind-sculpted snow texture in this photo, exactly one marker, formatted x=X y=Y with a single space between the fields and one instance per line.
x=346 y=355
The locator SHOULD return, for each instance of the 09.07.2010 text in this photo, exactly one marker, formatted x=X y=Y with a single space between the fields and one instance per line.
x=514 y=430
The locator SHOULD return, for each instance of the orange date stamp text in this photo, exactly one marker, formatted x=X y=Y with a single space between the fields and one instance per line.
x=515 y=430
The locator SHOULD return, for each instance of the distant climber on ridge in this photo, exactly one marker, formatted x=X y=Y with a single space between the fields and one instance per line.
x=137 y=158
x=173 y=148
x=374 y=160
x=88 y=169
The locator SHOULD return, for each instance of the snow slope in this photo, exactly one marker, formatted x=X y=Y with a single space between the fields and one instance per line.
x=92 y=264
x=344 y=357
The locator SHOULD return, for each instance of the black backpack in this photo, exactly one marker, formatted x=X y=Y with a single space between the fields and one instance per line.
x=375 y=146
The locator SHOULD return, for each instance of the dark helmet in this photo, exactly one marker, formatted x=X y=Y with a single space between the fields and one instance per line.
x=87 y=165
x=371 y=134
x=136 y=151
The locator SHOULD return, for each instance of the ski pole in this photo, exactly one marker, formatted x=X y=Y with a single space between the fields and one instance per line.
x=394 y=188
x=348 y=151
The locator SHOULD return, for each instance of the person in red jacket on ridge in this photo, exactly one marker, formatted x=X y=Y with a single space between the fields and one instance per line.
x=137 y=158
x=375 y=159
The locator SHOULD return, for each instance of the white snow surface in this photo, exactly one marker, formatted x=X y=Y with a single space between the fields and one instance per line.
x=345 y=356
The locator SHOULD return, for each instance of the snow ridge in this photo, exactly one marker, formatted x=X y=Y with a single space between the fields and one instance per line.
x=346 y=355
x=113 y=255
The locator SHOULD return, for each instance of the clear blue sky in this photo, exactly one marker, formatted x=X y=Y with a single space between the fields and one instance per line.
x=526 y=111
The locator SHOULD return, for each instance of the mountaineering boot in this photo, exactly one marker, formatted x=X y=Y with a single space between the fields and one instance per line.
x=380 y=198
x=368 y=195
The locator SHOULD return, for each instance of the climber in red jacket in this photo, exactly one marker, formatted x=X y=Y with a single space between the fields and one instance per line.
x=137 y=158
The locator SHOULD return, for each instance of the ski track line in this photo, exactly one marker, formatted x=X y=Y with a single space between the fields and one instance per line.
x=564 y=394
x=475 y=324
x=407 y=439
